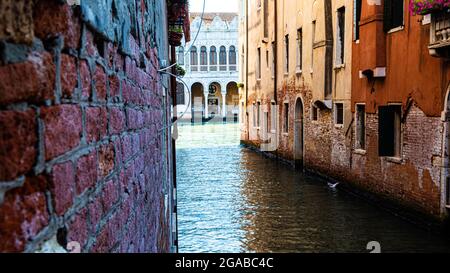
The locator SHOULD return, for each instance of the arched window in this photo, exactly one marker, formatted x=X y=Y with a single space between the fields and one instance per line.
x=203 y=59
x=194 y=59
x=232 y=58
x=180 y=55
x=213 y=59
x=223 y=58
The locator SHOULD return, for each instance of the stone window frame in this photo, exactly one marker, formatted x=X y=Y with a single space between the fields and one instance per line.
x=299 y=66
x=397 y=158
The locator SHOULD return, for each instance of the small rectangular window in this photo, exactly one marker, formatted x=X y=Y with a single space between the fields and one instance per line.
x=360 y=127
x=299 y=49
x=258 y=65
x=313 y=39
x=258 y=114
x=393 y=14
x=286 y=118
x=356 y=18
x=339 y=113
x=314 y=112
x=266 y=18
x=273 y=116
x=340 y=43
x=286 y=54
x=266 y=122
x=389 y=130
x=273 y=59
x=254 y=114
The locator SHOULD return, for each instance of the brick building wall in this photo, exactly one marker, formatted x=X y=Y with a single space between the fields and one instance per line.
x=84 y=145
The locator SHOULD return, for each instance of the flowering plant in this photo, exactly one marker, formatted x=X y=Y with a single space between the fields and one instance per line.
x=423 y=7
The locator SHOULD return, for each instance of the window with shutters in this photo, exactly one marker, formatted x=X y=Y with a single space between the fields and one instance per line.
x=286 y=54
x=340 y=42
x=360 y=126
x=356 y=18
x=393 y=14
x=232 y=58
x=194 y=59
x=389 y=130
x=203 y=59
x=223 y=59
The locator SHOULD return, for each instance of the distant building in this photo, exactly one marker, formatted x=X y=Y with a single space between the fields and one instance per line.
x=211 y=65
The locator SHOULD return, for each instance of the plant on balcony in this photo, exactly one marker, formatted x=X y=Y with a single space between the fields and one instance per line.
x=180 y=70
x=175 y=35
x=240 y=85
x=423 y=7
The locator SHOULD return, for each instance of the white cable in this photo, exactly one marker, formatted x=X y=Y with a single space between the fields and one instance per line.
x=189 y=103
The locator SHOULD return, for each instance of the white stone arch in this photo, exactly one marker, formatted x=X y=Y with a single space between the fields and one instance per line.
x=445 y=174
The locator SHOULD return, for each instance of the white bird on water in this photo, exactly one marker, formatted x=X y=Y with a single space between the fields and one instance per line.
x=333 y=186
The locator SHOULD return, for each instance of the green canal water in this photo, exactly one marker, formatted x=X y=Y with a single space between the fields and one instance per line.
x=231 y=199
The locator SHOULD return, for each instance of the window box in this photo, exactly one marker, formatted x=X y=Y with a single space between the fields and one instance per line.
x=423 y=7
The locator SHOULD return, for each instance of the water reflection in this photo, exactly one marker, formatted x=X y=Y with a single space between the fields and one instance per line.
x=231 y=199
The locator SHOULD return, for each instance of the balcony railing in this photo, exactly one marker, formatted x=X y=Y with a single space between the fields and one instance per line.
x=440 y=34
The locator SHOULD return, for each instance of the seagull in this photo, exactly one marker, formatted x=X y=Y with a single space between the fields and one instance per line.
x=333 y=186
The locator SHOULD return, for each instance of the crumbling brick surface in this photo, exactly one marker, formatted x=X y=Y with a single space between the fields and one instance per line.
x=82 y=127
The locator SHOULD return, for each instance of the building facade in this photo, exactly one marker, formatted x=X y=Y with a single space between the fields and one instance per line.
x=85 y=139
x=349 y=90
x=211 y=66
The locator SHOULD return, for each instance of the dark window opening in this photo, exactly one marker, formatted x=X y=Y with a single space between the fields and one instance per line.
x=258 y=65
x=258 y=114
x=357 y=18
x=393 y=14
x=286 y=54
x=314 y=113
x=286 y=118
x=299 y=49
x=389 y=130
x=448 y=192
x=360 y=127
x=339 y=113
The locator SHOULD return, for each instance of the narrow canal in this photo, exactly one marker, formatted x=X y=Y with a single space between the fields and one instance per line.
x=231 y=199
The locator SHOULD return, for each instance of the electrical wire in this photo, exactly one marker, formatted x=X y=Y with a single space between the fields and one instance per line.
x=189 y=101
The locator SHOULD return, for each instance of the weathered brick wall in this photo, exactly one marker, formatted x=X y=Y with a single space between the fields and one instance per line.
x=84 y=150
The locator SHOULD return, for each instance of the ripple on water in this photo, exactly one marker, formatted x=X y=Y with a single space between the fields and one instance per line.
x=231 y=199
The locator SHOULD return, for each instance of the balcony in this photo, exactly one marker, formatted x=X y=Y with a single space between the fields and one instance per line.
x=440 y=34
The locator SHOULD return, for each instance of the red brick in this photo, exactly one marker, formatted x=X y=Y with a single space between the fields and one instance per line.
x=100 y=83
x=23 y=214
x=68 y=75
x=86 y=171
x=78 y=228
x=96 y=123
x=114 y=86
x=106 y=159
x=62 y=186
x=52 y=19
x=35 y=87
x=95 y=213
x=62 y=129
x=85 y=75
x=117 y=120
x=110 y=195
x=18 y=139
x=90 y=47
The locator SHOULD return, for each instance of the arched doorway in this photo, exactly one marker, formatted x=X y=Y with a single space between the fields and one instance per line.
x=197 y=102
x=298 y=134
x=232 y=102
